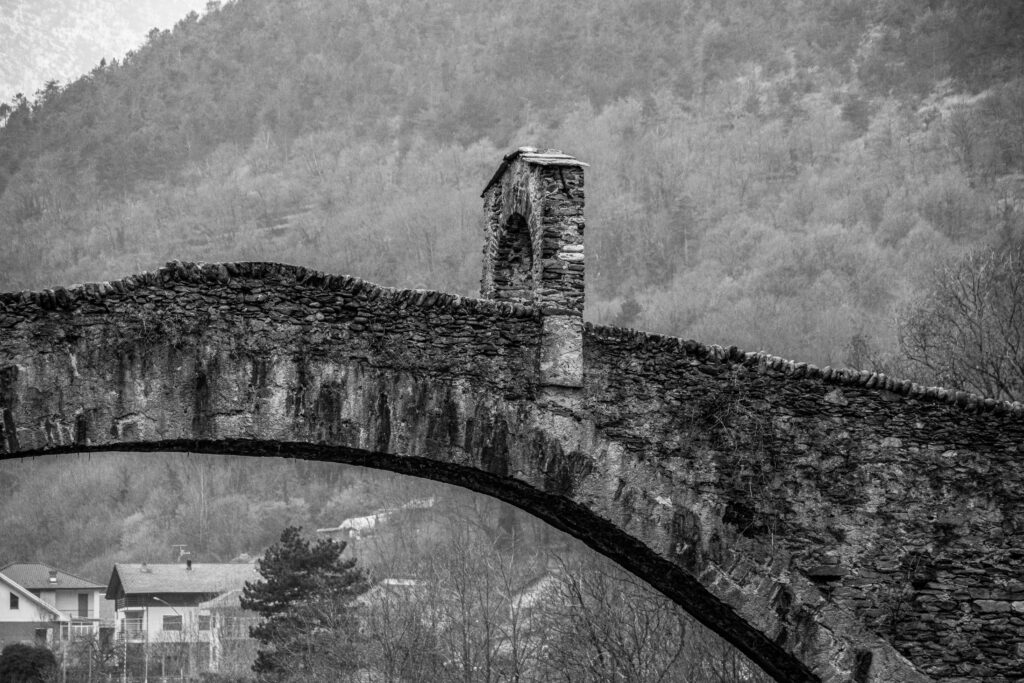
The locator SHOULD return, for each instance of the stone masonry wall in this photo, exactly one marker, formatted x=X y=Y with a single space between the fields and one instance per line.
x=903 y=504
x=543 y=192
x=533 y=251
x=795 y=512
x=262 y=310
x=264 y=359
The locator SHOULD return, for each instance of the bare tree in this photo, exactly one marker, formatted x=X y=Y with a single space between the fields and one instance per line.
x=461 y=600
x=967 y=332
x=606 y=629
x=608 y=625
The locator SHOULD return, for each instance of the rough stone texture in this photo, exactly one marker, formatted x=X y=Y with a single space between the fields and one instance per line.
x=901 y=505
x=533 y=247
x=561 y=353
x=269 y=359
x=834 y=525
x=533 y=251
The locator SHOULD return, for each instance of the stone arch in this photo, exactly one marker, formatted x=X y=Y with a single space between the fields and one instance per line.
x=774 y=500
x=549 y=506
x=263 y=359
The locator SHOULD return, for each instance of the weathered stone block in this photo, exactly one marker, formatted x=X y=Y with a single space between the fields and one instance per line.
x=561 y=352
x=992 y=605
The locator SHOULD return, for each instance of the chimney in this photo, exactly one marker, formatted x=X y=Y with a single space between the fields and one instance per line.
x=188 y=565
x=53 y=576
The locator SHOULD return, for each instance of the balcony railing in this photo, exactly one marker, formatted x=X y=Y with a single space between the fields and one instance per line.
x=132 y=629
x=79 y=628
x=83 y=628
x=83 y=615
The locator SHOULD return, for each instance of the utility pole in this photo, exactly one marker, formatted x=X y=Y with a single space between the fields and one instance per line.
x=145 y=650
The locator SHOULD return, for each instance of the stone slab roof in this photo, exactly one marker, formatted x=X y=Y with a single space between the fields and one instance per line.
x=36 y=576
x=538 y=157
x=213 y=578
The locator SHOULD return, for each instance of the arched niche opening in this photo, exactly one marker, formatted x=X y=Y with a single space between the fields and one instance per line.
x=513 y=274
x=534 y=205
x=675 y=644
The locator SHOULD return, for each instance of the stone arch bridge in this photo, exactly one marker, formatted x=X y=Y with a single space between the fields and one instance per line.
x=834 y=525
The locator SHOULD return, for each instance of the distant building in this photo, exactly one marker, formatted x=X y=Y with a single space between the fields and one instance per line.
x=75 y=604
x=165 y=610
x=231 y=648
x=158 y=602
x=25 y=617
x=356 y=528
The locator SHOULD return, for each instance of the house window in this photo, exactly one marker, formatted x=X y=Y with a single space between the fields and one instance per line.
x=83 y=604
x=204 y=622
x=14 y=601
x=172 y=622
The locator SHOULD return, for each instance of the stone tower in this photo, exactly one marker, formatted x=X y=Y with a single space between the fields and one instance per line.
x=533 y=251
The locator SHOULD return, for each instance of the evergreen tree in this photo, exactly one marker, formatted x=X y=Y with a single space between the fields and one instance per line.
x=304 y=601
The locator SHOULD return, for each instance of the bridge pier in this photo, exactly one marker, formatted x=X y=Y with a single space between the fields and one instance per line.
x=533 y=252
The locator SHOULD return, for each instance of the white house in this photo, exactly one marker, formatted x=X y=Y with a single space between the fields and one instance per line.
x=79 y=601
x=160 y=602
x=24 y=617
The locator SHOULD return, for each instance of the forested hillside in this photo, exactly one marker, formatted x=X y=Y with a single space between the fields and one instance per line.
x=780 y=175
x=84 y=513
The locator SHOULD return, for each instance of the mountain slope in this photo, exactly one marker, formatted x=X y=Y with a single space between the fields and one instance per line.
x=772 y=175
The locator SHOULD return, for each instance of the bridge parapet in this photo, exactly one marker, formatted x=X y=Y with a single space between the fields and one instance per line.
x=176 y=326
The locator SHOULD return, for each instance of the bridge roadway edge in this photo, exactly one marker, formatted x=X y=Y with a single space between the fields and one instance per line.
x=57 y=430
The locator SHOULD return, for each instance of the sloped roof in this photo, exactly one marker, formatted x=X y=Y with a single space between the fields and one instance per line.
x=230 y=600
x=36 y=576
x=211 y=578
x=28 y=595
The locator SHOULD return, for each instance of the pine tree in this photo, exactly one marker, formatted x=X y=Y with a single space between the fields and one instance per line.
x=305 y=602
